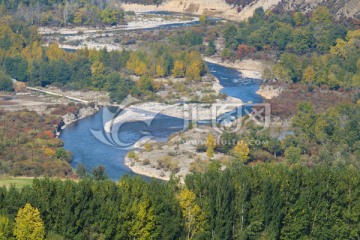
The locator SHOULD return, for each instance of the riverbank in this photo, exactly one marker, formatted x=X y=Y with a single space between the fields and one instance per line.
x=83 y=112
x=146 y=170
x=213 y=8
x=249 y=68
x=269 y=92
x=136 y=22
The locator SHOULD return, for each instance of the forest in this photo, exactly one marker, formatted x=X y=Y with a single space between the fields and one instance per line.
x=23 y=58
x=314 y=49
x=242 y=202
x=313 y=138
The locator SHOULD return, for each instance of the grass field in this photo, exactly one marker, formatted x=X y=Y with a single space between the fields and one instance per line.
x=18 y=182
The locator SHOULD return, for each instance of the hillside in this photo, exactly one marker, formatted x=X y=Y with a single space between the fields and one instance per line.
x=243 y=9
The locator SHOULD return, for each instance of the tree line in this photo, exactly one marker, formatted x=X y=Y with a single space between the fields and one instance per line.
x=242 y=202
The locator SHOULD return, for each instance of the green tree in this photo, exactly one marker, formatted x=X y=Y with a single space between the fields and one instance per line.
x=28 y=224
x=146 y=84
x=144 y=220
x=293 y=154
x=81 y=171
x=5 y=82
x=305 y=119
x=230 y=34
x=299 y=18
x=302 y=40
x=281 y=36
x=211 y=49
x=293 y=65
x=99 y=173
x=16 y=67
x=321 y=14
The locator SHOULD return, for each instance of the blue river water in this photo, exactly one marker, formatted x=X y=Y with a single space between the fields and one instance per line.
x=91 y=152
x=235 y=85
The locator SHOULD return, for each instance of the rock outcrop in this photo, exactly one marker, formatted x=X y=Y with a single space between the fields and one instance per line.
x=83 y=113
x=219 y=8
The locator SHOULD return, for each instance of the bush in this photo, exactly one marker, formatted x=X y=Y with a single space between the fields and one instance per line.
x=5 y=83
x=146 y=162
x=200 y=148
x=148 y=147
x=168 y=164
x=132 y=155
x=198 y=166
x=172 y=154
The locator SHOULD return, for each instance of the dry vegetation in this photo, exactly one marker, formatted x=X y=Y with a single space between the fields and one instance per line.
x=285 y=105
x=28 y=146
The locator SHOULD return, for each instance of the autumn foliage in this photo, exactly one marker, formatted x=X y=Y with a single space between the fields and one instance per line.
x=244 y=51
x=28 y=146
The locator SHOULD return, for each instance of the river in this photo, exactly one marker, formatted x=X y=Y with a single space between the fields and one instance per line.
x=91 y=152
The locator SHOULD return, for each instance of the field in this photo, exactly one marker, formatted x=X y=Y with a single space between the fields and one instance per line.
x=18 y=182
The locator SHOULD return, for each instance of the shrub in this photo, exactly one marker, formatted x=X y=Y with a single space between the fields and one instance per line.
x=200 y=148
x=168 y=164
x=148 y=147
x=198 y=166
x=146 y=162
x=132 y=154
x=172 y=154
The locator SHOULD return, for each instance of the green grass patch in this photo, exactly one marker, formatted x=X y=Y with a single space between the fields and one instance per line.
x=18 y=182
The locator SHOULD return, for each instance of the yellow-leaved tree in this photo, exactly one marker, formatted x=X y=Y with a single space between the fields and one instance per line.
x=193 y=72
x=179 y=69
x=342 y=47
x=5 y=228
x=54 y=52
x=241 y=151
x=210 y=144
x=191 y=211
x=160 y=70
x=137 y=66
x=97 y=69
x=28 y=224
x=33 y=52
x=309 y=74
x=144 y=223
